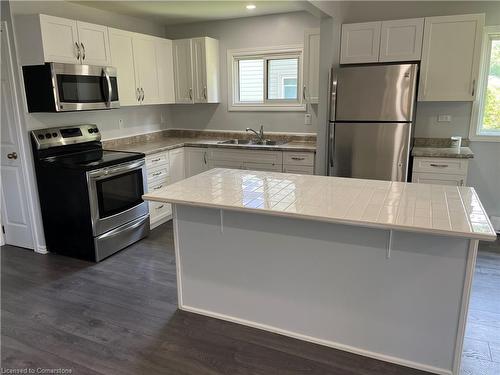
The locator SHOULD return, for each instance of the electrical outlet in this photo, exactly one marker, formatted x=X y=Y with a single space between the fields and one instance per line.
x=307 y=119
x=120 y=123
x=444 y=118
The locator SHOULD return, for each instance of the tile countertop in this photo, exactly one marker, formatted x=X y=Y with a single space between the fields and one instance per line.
x=170 y=143
x=432 y=209
x=443 y=152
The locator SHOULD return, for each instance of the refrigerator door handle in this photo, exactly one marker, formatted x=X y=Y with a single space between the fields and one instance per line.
x=330 y=149
x=333 y=94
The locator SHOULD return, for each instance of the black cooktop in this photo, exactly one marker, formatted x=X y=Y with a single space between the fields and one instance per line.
x=91 y=159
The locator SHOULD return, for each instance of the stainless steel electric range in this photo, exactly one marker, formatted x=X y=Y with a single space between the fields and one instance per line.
x=90 y=198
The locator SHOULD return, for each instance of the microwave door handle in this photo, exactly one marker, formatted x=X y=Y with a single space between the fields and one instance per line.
x=110 y=88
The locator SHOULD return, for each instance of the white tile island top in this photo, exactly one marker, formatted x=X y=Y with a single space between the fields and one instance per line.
x=433 y=209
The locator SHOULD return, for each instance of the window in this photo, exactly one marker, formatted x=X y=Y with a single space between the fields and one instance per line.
x=487 y=108
x=265 y=80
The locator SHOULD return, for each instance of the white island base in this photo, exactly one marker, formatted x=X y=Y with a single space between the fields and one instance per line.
x=396 y=296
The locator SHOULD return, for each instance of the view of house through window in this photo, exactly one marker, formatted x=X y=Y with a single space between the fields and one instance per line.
x=490 y=121
x=267 y=79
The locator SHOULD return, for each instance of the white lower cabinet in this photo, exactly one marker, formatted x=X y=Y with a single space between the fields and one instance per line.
x=163 y=169
x=440 y=171
x=196 y=160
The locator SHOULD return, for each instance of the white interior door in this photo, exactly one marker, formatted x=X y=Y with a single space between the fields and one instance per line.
x=95 y=43
x=16 y=221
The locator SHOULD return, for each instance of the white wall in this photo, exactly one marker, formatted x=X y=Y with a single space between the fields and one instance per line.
x=136 y=120
x=264 y=31
x=484 y=171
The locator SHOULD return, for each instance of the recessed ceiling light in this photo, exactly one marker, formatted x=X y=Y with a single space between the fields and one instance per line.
x=251 y=7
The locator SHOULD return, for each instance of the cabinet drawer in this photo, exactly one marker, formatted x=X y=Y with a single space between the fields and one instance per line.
x=440 y=165
x=159 y=209
x=298 y=158
x=158 y=174
x=439 y=179
x=250 y=156
x=156 y=186
x=156 y=159
x=298 y=169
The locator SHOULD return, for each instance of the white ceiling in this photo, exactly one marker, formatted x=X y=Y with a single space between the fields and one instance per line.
x=169 y=12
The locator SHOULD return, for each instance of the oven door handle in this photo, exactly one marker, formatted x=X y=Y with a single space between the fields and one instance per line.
x=108 y=172
x=110 y=88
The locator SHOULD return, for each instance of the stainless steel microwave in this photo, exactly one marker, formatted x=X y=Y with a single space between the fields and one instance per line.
x=55 y=87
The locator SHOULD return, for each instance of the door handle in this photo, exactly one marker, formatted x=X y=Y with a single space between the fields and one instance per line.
x=12 y=155
x=77 y=51
x=83 y=49
x=205 y=92
x=142 y=91
x=304 y=93
x=190 y=93
x=473 y=87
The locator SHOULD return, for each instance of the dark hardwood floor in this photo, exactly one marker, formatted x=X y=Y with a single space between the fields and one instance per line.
x=120 y=317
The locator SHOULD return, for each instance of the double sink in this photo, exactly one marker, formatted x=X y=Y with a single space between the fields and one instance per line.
x=266 y=142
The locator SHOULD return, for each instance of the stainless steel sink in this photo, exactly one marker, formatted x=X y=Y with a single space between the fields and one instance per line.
x=267 y=142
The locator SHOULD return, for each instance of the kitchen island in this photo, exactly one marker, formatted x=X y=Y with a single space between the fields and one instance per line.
x=378 y=268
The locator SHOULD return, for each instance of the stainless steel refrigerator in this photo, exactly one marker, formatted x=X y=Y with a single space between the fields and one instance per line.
x=371 y=121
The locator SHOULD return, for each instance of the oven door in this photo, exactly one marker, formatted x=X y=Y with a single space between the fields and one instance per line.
x=115 y=195
x=84 y=87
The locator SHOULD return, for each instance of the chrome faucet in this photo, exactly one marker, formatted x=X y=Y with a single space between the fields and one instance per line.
x=259 y=134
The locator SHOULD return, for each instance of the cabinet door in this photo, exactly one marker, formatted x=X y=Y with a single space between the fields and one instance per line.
x=196 y=160
x=145 y=68
x=94 y=42
x=177 y=167
x=164 y=65
x=199 y=70
x=438 y=179
x=311 y=66
x=212 y=71
x=401 y=40
x=183 y=71
x=263 y=167
x=122 y=57
x=360 y=42
x=59 y=39
x=450 y=58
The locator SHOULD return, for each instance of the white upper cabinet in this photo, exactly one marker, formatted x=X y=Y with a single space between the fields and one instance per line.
x=196 y=70
x=94 y=44
x=401 y=40
x=122 y=57
x=44 y=38
x=144 y=68
x=59 y=39
x=360 y=42
x=311 y=66
x=450 y=58
x=384 y=41
x=165 y=67
x=183 y=71
x=146 y=72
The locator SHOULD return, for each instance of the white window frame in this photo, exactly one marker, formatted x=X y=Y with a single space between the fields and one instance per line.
x=289 y=51
x=475 y=133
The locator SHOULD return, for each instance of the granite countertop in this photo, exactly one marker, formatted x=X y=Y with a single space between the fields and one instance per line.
x=440 y=210
x=169 y=143
x=442 y=152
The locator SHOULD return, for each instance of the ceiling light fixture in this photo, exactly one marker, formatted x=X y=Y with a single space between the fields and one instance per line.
x=251 y=7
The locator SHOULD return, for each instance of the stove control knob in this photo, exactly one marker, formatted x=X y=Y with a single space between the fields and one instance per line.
x=54 y=135
x=41 y=136
x=48 y=135
x=96 y=130
x=91 y=130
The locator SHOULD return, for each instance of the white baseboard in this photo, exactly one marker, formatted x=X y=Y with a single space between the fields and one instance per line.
x=331 y=344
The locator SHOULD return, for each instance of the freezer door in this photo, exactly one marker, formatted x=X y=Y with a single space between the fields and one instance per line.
x=376 y=92
x=378 y=151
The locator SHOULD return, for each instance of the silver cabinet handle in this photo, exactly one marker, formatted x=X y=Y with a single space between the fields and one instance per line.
x=304 y=93
x=155 y=160
x=138 y=94
x=77 y=51
x=83 y=49
x=205 y=92
x=439 y=165
x=297 y=158
x=157 y=173
x=190 y=93
x=158 y=187
x=142 y=90
x=12 y=155
x=205 y=157
x=160 y=207
x=473 y=87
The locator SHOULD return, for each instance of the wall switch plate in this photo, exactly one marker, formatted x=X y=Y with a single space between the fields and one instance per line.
x=120 y=123
x=307 y=119
x=444 y=118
